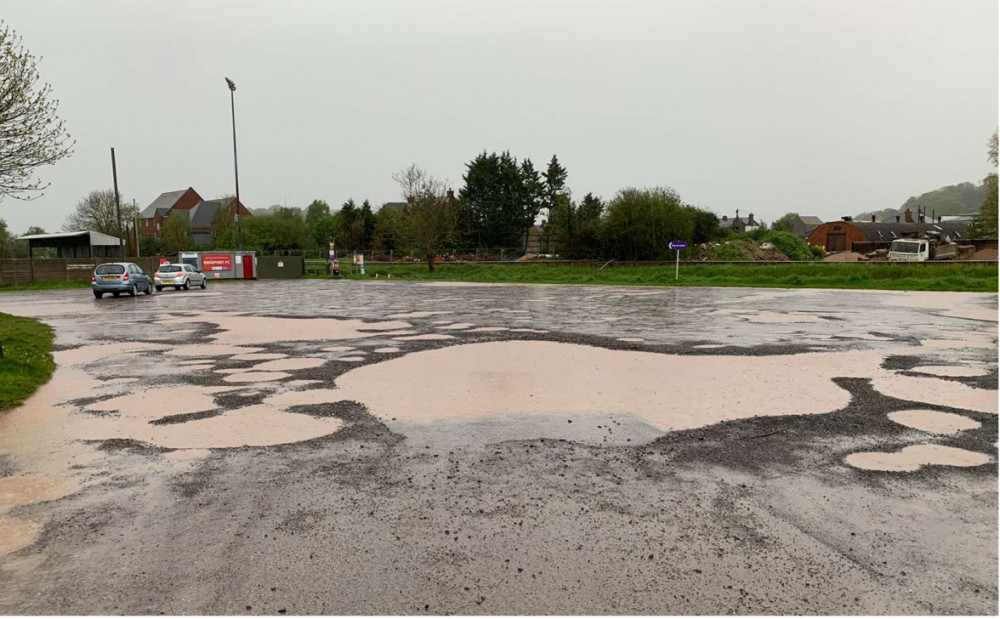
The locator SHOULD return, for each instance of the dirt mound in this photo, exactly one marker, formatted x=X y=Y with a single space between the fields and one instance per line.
x=844 y=256
x=984 y=254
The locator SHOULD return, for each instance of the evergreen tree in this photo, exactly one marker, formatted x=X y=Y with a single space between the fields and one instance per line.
x=503 y=198
x=367 y=218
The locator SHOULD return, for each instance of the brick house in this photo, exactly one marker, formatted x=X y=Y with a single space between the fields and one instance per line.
x=201 y=213
x=153 y=216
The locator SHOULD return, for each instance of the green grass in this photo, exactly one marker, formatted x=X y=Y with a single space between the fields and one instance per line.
x=57 y=284
x=27 y=361
x=947 y=277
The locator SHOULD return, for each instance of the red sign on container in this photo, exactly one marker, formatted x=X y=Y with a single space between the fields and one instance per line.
x=216 y=262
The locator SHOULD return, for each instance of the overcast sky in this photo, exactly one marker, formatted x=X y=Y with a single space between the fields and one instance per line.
x=822 y=107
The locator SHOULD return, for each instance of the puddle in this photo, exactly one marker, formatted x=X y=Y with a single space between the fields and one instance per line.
x=950 y=370
x=162 y=401
x=258 y=356
x=89 y=354
x=18 y=533
x=210 y=350
x=774 y=318
x=241 y=330
x=386 y=350
x=913 y=457
x=255 y=377
x=933 y=421
x=338 y=349
x=669 y=392
x=935 y=391
x=351 y=359
x=417 y=314
x=296 y=363
x=425 y=336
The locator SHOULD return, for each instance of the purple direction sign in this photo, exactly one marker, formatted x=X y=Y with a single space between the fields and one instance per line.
x=678 y=245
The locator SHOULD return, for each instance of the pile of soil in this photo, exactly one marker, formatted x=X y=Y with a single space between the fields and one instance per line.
x=844 y=256
x=768 y=255
x=984 y=254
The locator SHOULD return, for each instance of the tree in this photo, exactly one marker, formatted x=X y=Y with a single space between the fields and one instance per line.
x=98 y=212
x=785 y=223
x=503 y=197
x=640 y=223
x=555 y=186
x=6 y=240
x=986 y=221
x=176 y=233
x=151 y=246
x=430 y=218
x=387 y=229
x=31 y=134
x=318 y=220
x=367 y=218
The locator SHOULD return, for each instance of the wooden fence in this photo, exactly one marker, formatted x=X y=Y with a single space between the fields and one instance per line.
x=20 y=271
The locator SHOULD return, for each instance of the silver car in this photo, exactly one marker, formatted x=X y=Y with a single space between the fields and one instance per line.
x=179 y=276
x=119 y=277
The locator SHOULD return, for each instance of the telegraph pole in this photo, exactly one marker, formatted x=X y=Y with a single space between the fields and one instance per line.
x=118 y=206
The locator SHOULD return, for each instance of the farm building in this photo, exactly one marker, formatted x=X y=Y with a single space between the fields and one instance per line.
x=842 y=235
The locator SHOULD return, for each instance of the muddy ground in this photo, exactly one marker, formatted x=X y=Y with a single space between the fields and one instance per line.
x=717 y=482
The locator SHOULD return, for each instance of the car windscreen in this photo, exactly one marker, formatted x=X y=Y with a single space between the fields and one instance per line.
x=110 y=269
x=904 y=247
x=170 y=268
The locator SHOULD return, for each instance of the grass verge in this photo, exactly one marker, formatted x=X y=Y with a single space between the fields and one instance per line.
x=27 y=361
x=943 y=277
x=57 y=284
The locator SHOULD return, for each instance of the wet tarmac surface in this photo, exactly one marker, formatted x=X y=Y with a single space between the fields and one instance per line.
x=405 y=448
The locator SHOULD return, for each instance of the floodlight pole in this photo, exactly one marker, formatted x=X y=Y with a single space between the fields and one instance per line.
x=236 y=167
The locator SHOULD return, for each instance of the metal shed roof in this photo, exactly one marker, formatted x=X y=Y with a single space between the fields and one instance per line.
x=887 y=231
x=95 y=238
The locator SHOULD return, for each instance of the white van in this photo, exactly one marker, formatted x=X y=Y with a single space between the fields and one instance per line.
x=910 y=250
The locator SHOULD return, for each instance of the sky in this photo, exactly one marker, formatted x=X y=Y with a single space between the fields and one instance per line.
x=824 y=108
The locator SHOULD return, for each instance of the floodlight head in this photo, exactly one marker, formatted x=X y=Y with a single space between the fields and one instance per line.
x=232 y=84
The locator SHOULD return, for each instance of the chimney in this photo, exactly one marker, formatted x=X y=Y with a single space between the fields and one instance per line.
x=750 y=219
x=939 y=219
x=725 y=218
x=846 y=218
x=873 y=219
x=737 y=213
x=908 y=216
x=897 y=219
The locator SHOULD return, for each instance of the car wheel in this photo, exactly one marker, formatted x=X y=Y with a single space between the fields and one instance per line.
x=98 y=294
x=159 y=289
x=204 y=283
x=149 y=289
x=134 y=291
x=187 y=284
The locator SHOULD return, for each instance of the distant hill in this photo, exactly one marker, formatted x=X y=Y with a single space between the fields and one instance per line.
x=960 y=199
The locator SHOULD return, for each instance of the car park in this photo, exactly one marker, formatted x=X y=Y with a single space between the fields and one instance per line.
x=179 y=276
x=119 y=277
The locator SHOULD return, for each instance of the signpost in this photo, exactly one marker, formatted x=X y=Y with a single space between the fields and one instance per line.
x=677 y=246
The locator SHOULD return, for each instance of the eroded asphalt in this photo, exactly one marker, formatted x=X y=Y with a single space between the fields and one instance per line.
x=407 y=448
